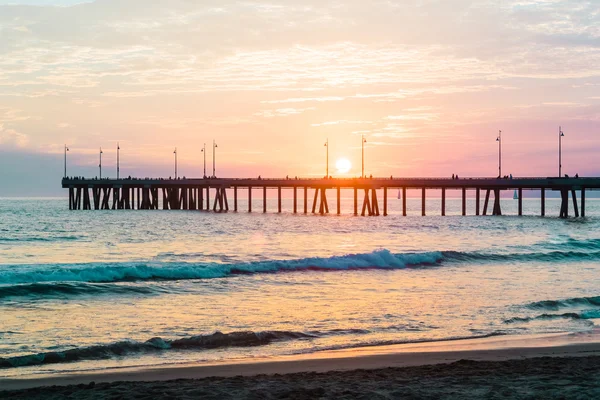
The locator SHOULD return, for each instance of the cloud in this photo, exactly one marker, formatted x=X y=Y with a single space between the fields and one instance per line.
x=342 y=121
x=283 y=112
x=11 y=138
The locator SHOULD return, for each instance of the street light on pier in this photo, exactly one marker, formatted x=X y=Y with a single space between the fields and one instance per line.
x=499 y=140
x=214 y=164
x=101 y=152
x=66 y=149
x=327 y=168
x=363 y=141
x=204 y=152
x=175 y=152
x=560 y=136
x=118 y=160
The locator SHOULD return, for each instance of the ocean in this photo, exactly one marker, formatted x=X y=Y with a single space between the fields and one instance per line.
x=92 y=290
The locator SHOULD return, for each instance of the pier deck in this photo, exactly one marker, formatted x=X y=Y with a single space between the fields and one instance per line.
x=195 y=194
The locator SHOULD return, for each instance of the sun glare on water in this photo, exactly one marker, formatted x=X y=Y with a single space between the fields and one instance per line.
x=343 y=165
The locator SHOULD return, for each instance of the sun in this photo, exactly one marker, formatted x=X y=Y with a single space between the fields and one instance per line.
x=343 y=165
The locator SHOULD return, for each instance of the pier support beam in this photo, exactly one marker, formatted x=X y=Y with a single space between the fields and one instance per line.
x=520 y=202
x=321 y=197
x=543 y=202
x=96 y=192
x=355 y=201
x=366 y=204
x=423 y=202
x=221 y=204
x=385 y=201
x=279 y=199
x=339 y=206
x=582 y=202
x=305 y=200
x=207 y=198
x=201 y=198
x=235 y=199
x=249 y=199
x=374 y=202
x=575 y=208
x=295 y=200
x=477 y=201
x=264 y=199
x=443 y=202
x=486 y=202
x=497 y=208
x=404 y=202
x=86 y=199
x=564 y=204
x=464 y=201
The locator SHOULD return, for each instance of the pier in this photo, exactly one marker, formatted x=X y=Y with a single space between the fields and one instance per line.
x=370 y=194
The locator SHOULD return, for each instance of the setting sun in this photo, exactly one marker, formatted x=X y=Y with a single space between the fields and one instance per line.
x=343 y=165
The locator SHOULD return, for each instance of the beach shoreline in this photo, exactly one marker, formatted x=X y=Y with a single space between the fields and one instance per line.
x=491 y=349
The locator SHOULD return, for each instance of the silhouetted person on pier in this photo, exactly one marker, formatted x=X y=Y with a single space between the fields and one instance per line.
x=452 y=176
x=577 y=176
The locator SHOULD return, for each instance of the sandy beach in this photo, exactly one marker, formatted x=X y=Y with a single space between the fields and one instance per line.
x=550 y=366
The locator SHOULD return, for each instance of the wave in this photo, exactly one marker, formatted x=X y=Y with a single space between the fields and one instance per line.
x=38 y=239
x=126 y=272
x=548 y=256
x=583 y=315
x=72 y=289
x=566 y=303
x=380 y=259
x=201 y=342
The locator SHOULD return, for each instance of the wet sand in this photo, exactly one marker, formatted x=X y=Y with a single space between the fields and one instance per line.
x=556 y=366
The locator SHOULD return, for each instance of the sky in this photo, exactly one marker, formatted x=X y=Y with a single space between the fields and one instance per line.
x=428 y=83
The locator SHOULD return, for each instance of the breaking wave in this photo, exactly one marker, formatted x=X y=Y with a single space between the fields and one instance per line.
x=127 y=272
x=583 y=315
x=566 y=303
x=148 y=271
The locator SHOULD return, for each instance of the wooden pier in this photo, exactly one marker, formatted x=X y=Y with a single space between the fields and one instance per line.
x=370 y=194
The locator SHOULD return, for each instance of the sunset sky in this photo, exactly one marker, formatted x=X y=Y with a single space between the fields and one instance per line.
x=429 y=84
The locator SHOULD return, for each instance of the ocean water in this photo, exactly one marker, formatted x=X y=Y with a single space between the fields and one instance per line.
x=90 y=290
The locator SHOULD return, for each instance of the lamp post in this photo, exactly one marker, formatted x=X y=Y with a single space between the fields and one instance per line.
x=204 y=152
x=499 y=140
x=101 y=163
x=214 y=164
x=175 y=152
x=560 y=136
x=66 y=149
x=118 y=160
x=363 y=141
x=327 y=168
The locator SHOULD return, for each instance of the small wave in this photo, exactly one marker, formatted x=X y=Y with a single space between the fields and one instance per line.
x=566 y=303
x=550 y=256
x=204 y=342
x=38 y=239
x=399 y=342
x=71 y=289
x=124 y=348
x=583 y=315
